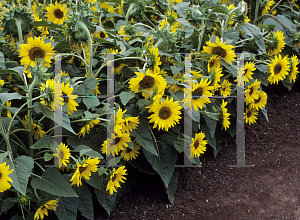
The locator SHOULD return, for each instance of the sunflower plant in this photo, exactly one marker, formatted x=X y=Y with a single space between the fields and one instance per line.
x=93 y=92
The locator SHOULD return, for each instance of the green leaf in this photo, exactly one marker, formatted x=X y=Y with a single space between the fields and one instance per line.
x=67 y=208
x=256 y=33
x=22 y=166
x=176 y=69
x=211 y=124
x=39 y=108
x=9 y=96
x=95 y=180
x=85 y=150
x=46 y=24
x=171 y=80
x=2 y=61
x=171 y=189
x=48 y=156
x=181 y=7
x=231 y=37
x=288 y=84
x=85 y=202
x=106 y=201
x=126 y=96
x=75 y=141
x=44 y=142
x=211 y=140
x=264 y=111
x=6 y=121
x=54 y=183
x=91 y=101
x=262 y=77
x=114 y=161
x=164 y=162
x=141 y=103
x=2 y=156
x=63 y=47
x=179 y=145
x=89 y=84
x=101 y=171
x=7 y=204
x=130 y=145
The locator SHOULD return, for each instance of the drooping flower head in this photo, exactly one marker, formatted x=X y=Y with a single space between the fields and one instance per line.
x=4 y=178
x=225 y=115
x=197 y=147
x=294 y=68
x=275 y=43
x=131 y=154
x=43 y=210
x=250 y=115
x=115 y=178
x=68 y=98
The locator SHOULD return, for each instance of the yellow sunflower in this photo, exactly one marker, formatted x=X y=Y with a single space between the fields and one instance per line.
x=166 y=114
x=225 y=89
x=155 y=59
x=225 y=116
x=57 y=13
x=62 y=152
x=213 y=63
x=49 y=90
x=157 y=96
x=261 y=101
x=8 y=113
x=121 y=140
x=118 y=120
x=68 y=98
x=198 y=90
x=216 y=75
x=37 y=130
x=86 y=129
x=221 y=49
x=294 y=69
x=119 y=68
x=43 y=210
x=115 y=178
x=250 y=115
x=84 y=169
x=145 y=82
x=275 y=43
x=129 y=154
x=249 y=68
x=4 y=178
x=251 y=92
x=100 y=34
x=197 y=146
x=1 y=82
x=268 y=4
x=36 y=48
x=279 y=69
x=130 y=123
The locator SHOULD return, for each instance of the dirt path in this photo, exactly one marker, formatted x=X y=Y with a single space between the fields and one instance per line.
x=269 y=190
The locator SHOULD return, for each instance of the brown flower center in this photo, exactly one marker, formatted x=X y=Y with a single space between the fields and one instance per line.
x=196 y=144
x=251 y=91
x=36 y=52
x=197 y=92
x=165 y=113
x=117 y=140
x=58 y=14
x=114 y=177
x=147 y=82
x=0 y=175
x=249 y=114
x=277 y=69
x=65 y=97
x=257 y=100
x=219 y=51
x=102 y=34
x=128 y=150
x=61 y=155
x=82 y=169
x=211 y=63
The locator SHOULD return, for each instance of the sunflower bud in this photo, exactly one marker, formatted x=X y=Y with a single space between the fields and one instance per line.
x=39 y=71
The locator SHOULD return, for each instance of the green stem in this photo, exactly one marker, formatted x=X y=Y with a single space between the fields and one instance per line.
x=256 y=11
x=19 y=28
x=74 y=159
x=21 y=144
x=144 y=25
x=128 y=11
x=275 y=6
x=29 y=4
x=8 y=147
x=19 y=130
x=35 y=192
x=272 y=16
x=124 y=58
x=201 y=36
x=29 y=105
x=41 y=152
x=244 y=40
x=88 y=34
x=228 y=18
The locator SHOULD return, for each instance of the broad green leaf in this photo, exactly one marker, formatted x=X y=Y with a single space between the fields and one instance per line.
x=46 y=24
x=54 y=183
x=95 y=180
x=171 y=80
x=211 y=140
x=2 y=61
x=142 y=164
x=17 y=71
x=231 y=37
x=211 y=124
x=262 y=77
x=179 y=145
x=2 y=156
x=176 y=69
x=75 y=141
x=89 y=84
x=9 y=96
x=143 y=137
x=6 y=121
x=108 y=202
x=164 y=162
x=181 y=7
x=85 y=202
x=7 y=204
x=48 y=156
x=141 y=103
x=126 y=96
x=85 y=150
x=63 y=47
x=44 y=142
x=114 y=161
x=171 y=189
x=91 y=101
x=101 y=171
x=22 y=166
x=67 y=208
x=264 y=111
x=257 y=34
x=39 y=108
x=288 y=84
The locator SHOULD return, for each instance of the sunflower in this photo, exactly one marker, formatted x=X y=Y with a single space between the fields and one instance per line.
x=197 y=146
x=115 y=178
x=36 y=48
x=166 y=114
x=216 y=75
x=84 y=169
x=250 y=115
x=251 y=92
x=294 y=69
x=213 y=63
x=221 y=49
x=177 y=87
x=198 y=90
x=4 y=178
x=268 y=4
x=120 y=143
x=129 y=154
x=8 y=113
x=196 y=74
x=96 y=90
x=130 y=123
x=278 y=69
x=57 y=13
x=100 y=34
x=155 y=59
x=119 y=68
x=49 y=90
x=261 y=101
x=225 y=88
x=118 y=120
x=157 y=96
x=43 y=210
x=86 y=129
x=249 y=68
x=275 y=43
x=145 y=82
x=225 y=116
x=62 y=152
x=1 y=82
x=68 y=98
x=37 y=130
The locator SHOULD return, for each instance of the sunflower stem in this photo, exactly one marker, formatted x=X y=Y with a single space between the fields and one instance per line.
x=29 y=105
x=128 y=12
x=256 y=11
x=88 y=34
x=201 y=36
x=274 y=17
x=35 y=192
x=8 y=147
x=228 y=18
x=29 y=4
x=73 y=158
x=19 y=28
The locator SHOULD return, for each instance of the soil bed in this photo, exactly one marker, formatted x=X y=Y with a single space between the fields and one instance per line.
x=268 y=190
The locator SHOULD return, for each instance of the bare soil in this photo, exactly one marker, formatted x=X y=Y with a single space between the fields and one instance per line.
x=268 y=190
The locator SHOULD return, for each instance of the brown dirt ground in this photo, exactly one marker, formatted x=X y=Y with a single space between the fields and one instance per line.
x=268 y=190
